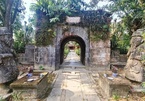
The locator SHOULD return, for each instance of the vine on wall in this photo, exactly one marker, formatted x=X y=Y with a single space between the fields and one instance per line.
x=53 y=13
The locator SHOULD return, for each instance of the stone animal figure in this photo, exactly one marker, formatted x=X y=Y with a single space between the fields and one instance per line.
x=8 y=69
x=134 y=67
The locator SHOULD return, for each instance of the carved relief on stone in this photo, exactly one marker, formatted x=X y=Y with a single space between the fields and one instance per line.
x=8 y=69
x=134 y=67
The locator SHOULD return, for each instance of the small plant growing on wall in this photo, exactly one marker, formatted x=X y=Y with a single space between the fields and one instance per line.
x=17 y=96
x=66 y=51
x=41 y=67
x=116 y=97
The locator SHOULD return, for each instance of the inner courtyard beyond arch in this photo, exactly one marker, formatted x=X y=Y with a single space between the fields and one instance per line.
x=79 y=60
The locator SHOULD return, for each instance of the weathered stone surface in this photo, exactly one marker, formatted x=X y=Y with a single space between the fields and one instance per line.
x=134 y=70
x=93 y=53
x=136 y=41
x=31 y=90
x=100 y=53
x=134 y=66
x=8 y=69
x=118 y=85
x=73 y=32
x=45 y=56
x=29 y=53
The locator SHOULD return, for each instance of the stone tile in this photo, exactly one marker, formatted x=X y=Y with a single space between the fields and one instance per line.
x=73 y=83
x=73 y=87
x=91 y=97
x=56 y=92
x=63 y=95
x=57 y=85
x=89 y=91
x=73 y=76
x=53 y=98
x=77 y=96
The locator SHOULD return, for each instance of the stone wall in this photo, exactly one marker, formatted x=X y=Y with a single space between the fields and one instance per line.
x=8 y=69
x=96 y=54
x=117 y=57
x=29 y=53
x=100 y=54
x=45 y=56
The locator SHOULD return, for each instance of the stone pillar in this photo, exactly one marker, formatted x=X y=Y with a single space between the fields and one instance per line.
x=136 y=54
x=45 y=57
x=29 y=53
x=8 y=69
x=100 y=55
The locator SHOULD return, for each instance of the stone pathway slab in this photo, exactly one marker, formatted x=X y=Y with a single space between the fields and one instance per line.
x=73 y=86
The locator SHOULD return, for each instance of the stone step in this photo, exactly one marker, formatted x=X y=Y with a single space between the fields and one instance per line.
x=72 y=66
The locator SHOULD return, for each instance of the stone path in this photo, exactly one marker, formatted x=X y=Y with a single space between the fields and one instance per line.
x=73 y=85
x=72 y=59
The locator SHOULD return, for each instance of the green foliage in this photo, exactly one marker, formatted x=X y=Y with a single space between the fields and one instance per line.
x=17 y=96
x=23 y=35
x=116 y=97
x=45 y=37
x=77 y=48
x=120 y=38
x=66 y=51
x=52 y=12
x=41 y=67
x=55 y=8
x=19 y=42
x=78 y=51
x=132 y=16
x=120 y=42
x=9 y=10
x=1 y=99
x=131 y=12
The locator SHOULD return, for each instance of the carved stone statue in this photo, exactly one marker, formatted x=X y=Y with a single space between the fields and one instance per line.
x=8 y=69
x=134 y=67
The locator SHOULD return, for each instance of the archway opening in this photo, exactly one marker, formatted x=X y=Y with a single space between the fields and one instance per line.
x=72 y=52
x=72 y=45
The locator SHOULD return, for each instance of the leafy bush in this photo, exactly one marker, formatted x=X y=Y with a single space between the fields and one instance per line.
x=19 y=43
x=78 y=51
x=66 y=51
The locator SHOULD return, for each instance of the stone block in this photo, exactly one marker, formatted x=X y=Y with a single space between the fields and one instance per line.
x=31 y=90
x=118 y=86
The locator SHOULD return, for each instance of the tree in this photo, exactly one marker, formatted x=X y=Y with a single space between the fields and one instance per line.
x=9 y=10
x=23 y=35
x=51 y=12
x=56 y=8
x=132 y=17
x=131 y=12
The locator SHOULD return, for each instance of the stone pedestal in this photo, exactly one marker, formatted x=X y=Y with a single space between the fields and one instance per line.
x=116 y=86
x=3 y=89
x=31 y=90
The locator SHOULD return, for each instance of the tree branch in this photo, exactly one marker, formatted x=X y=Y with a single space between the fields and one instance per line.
x=15 y=11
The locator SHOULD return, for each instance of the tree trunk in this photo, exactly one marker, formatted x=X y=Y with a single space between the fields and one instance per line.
x=15 y=11
x=7 y=22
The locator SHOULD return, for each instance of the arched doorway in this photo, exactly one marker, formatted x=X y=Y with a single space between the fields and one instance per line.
x=76 y=39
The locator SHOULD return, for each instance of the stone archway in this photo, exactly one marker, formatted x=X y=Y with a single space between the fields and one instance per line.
x=77 y=39
x=74 y=33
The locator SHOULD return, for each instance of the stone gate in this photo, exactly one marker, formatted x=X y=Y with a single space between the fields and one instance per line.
x=94 y=53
